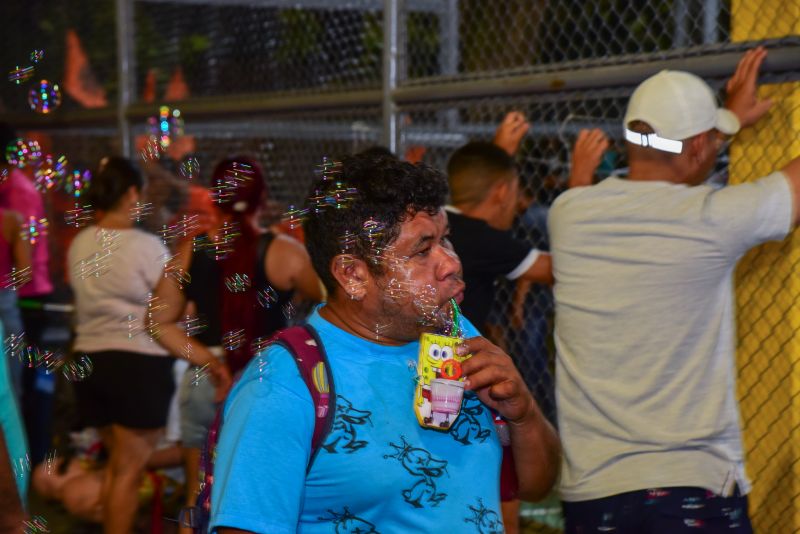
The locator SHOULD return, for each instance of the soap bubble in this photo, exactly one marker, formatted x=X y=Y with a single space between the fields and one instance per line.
x=17 y=278
x=80 y=216
x=21 y=74
x=294 y=217
x=34 y=229
x=51 y=172
x=267 y=297
x=238 y=283
x=22 y=152
x=189 y=168
x=141 y=210
x=233 y=340
x=77 y=182
x=44 y=97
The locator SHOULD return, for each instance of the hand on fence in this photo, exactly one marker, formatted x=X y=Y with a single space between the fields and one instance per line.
x=742 y=89
x=586 y=156
x=511 y=131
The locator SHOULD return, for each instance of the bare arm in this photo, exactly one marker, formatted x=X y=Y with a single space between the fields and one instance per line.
x=518 y=303
x=492 y=375
x=288 y=266
x=541 y=271
x=743 y=100
x=162 y=322
x=586 y=157
x=792 y=172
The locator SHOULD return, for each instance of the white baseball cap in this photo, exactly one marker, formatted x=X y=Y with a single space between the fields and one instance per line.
x=677 y=105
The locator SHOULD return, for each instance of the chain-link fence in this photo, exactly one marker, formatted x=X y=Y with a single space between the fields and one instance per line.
x=292 y=81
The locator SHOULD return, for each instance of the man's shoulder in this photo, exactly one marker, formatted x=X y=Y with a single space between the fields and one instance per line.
x=471 y=231
x=459 y=220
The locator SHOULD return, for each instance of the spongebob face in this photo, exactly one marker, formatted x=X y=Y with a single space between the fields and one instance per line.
x=433 y=351
x=436 y=354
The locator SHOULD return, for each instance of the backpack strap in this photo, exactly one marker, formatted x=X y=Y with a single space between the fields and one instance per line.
x=304 y=345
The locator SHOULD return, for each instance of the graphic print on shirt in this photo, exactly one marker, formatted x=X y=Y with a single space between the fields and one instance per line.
x=486 y=521
x=344 y=433
x=347 y=523
x=468 y=429
x=422 y=465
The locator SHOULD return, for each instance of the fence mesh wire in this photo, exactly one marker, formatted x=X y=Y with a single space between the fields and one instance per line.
x=237 y=52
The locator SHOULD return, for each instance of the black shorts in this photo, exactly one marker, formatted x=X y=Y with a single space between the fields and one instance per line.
x=127 y=389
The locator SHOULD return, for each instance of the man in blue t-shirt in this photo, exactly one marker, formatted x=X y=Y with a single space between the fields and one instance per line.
x=377 y=235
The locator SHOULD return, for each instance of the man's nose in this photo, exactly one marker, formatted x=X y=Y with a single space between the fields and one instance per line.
x=449 y=263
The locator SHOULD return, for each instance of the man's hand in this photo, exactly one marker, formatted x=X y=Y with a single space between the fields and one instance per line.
x=586 y=156
x=742 y=89
x=491 y=374
x=511 y=131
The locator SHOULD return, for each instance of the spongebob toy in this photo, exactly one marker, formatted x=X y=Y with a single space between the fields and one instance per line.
x=440 y=386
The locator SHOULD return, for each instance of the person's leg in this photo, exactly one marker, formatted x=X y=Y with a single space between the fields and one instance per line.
x=510 y=516
x=165 y=457
x=82 y=496
x=197 y=412
x=191 y=465
x=130 y=452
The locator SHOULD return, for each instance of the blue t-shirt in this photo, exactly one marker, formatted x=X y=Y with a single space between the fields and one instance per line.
x=378 y=470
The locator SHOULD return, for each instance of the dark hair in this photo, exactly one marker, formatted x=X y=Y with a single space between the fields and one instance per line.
x=360 y=188
x=481 y=154
x=115 y=176
x=474 y=168
x=377 y=151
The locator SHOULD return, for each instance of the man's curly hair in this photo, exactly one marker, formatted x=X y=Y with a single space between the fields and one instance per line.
x=381 y=188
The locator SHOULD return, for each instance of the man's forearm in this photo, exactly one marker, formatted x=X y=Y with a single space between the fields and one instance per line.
x=537 y=455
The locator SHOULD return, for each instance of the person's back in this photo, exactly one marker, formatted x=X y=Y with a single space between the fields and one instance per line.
x=645 y=318
x=111 y=272
x=644 y=315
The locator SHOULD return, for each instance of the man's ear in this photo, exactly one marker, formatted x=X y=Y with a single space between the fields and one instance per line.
x=498 y=192
x=351 y=274
x=696 y=148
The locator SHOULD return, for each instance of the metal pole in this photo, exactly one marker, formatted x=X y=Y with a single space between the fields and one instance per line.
x=680 y=37
x=716 y=64
x=391 y=32
x=448 y=26
x=710 y=17
x=125 y=66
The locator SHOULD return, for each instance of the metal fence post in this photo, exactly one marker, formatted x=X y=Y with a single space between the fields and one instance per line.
x=125 y=68
x=391 y=33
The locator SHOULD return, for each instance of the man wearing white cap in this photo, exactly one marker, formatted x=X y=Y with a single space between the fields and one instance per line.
x=644 y=315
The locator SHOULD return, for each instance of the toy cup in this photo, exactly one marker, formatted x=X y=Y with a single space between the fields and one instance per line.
x=446 y=395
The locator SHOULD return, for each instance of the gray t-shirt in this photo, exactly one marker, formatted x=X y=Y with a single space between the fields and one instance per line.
x=644 y=330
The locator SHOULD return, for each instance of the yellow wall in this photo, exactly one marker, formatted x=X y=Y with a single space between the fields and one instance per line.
x=768 y=295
